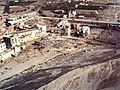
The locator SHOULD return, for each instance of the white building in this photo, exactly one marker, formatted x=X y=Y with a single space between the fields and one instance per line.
x=2 y=46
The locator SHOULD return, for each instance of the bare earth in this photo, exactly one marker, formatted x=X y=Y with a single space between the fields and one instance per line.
x=63 y=63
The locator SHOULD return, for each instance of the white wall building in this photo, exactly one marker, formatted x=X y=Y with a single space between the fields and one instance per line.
x=2 y=46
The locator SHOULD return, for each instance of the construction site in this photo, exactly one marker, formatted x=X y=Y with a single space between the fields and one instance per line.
x=59 y=44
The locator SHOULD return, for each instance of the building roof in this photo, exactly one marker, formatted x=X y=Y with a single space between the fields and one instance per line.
x=1 y=41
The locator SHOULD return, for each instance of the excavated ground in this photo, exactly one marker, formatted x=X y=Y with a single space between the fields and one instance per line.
x=82 y=64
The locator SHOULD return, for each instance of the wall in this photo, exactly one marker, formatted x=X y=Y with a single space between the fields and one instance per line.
x=28 y=36
x=2 y=47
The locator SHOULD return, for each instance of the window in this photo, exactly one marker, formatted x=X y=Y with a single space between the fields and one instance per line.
x=12 y=40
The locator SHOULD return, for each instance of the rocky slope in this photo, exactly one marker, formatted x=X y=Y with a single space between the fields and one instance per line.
x=91 y=69
x=104 y=76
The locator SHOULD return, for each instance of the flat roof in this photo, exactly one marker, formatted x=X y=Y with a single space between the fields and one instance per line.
x=22 y=31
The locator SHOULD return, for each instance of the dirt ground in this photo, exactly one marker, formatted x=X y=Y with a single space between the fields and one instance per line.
x=38 y=52
x=49 y=60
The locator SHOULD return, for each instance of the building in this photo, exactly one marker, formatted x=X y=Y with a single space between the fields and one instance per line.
x=2 y=46
x=64 y=26
x=14 y=42
x=42 y=28
x=11 y=41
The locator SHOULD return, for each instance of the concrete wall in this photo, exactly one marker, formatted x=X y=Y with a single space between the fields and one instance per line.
x=28 y=36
